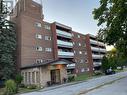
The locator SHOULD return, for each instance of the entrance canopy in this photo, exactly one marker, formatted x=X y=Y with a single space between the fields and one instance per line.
x=56 y=62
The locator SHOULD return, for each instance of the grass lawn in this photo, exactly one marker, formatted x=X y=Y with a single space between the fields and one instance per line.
x=82 y=77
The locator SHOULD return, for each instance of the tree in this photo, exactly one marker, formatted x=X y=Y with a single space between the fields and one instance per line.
x=105 y=64
x=112 y=19
x=7 y=46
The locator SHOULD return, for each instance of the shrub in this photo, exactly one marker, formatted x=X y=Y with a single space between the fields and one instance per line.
x=71 y=78
x=32 y=86
x=10 y=87
x=97 y=73
x=18 y=80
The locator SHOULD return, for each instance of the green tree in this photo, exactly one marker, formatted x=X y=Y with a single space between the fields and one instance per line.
x=7 y=46
x=105 y=63
x=112 y=19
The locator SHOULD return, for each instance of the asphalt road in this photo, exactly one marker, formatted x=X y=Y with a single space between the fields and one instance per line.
x=116 y=88
x=120 y=86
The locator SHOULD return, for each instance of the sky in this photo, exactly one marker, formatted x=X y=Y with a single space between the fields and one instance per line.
x=74 y=13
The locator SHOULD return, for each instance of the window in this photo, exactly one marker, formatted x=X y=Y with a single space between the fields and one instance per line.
x=48 y=38
x=38 y=36
x=72 y=35
x=39 y=61
x=80 y=52
x=78 y=36
x=33 y=77
x=82 y=70
x=79 y=44
x=48 y=49
x=73 y=43
x=81 y=61
x=25 y=77
x=38 y=24
x=86 y=61
x=38 y=48
x=47 y=27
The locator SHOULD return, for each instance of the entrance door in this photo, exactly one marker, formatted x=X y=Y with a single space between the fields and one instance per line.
x=55 y=76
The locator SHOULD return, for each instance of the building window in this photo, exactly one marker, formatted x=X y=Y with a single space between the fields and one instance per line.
x=47 y=27
x=29 y=77
x=82 y=61
x=39 y=61
x=37 y=77
x=33 y=77
x=72 y=35
x=80 y=52
x=79 y=44
x=25 y=77
x=48 y=38
x=74 y=51
x=48 y=49
x=78 y=36
x=39 y=48
x=38 y=24
x=38 y=36
x=86 y=61
x=82 y=70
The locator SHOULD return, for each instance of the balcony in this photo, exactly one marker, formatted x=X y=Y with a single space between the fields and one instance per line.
x=63 y=54
x=93 y=42
x=97 y=64
x=97 y=56
x=97 y=49
x=71 y=66
x=96 y=42
x=64 y=44
x=63 y=34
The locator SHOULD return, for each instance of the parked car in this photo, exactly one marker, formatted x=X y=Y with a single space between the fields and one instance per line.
x=109 y=72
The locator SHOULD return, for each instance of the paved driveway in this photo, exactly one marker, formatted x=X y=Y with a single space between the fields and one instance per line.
x=81 y=87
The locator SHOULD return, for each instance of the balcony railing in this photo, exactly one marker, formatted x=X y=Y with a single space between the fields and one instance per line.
x=63 y=34
x=64 y=44
x=97 y=63
x=97 y=56
x=71 y=66
x=97 y=42
x=98 y=49
x=63 y=54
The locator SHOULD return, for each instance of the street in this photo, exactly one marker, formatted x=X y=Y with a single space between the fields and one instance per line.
x=117 y=88
x=92 y=87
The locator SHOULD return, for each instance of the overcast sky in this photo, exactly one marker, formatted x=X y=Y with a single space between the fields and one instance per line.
x=74 y=13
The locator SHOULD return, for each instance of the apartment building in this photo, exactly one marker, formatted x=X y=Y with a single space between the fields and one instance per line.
x=95 y=51
x=48 y=52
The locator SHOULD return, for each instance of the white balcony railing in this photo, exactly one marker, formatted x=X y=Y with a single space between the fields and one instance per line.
x=98 y=49
x=63 y=33
x=97 y=63
x=71 y=66
x=97 y=42
x=63 y=54
x=97 y=56
x=64 y=44
x=93 y=42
